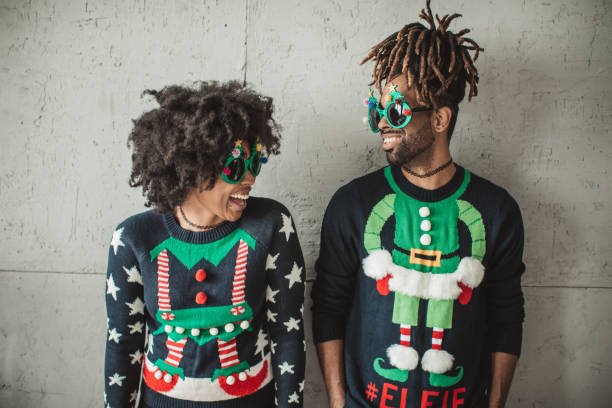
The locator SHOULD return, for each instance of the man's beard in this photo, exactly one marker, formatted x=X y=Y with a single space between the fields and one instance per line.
x=411 y=146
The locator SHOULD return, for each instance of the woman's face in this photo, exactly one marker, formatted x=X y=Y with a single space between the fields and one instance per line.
x=224 y=201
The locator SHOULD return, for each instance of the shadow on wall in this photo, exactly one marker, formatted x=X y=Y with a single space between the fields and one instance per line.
x=512 y=138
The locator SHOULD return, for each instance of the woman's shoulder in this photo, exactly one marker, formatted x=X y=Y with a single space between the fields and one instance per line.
x=261 y=206
x=265 y=216
x=141 y=223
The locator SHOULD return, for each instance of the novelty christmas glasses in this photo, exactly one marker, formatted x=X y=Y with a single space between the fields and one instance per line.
x=398 y=113
x=236 y=165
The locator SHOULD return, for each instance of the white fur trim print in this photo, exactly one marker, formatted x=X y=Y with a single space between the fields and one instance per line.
x=376 y=265
x=437 y=361
x=471 y=271
x=421 y=284
x=403 y=357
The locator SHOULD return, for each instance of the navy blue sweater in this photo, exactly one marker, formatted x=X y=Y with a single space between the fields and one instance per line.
x=422 y=285
x=222 y=309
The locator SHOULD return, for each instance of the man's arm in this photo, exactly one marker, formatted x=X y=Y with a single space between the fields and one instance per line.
x=502 y=371
x=331 y=360
x=332 y=291
x=505 y=304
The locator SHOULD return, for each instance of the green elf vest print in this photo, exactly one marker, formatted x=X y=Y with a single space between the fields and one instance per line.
x=423 y=264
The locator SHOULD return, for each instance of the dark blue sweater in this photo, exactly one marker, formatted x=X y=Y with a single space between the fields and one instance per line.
x=422 y=285
x=222 y=309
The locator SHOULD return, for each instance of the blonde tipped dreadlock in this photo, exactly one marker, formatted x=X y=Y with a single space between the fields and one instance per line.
x=436 y=62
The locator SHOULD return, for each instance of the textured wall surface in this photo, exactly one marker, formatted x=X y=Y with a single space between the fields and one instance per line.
x=72 y=73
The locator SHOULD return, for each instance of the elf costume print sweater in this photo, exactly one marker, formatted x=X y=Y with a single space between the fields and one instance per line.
x=422 y=285
x=222 y=309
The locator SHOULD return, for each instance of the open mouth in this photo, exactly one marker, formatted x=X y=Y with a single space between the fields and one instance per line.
x=390 y=139
x=239 y=200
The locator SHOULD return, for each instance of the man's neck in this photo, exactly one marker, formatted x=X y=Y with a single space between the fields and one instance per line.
x=429 y=162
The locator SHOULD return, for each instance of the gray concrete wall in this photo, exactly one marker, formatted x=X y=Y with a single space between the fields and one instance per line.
x=71 y=73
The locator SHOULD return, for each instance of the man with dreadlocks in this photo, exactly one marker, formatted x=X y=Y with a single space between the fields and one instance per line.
x=421 y=261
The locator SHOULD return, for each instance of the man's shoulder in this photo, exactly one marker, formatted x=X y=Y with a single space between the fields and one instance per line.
x=365 y=185
x=485 y=194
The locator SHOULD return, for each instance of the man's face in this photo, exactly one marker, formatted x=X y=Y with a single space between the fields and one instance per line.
x=403 y=145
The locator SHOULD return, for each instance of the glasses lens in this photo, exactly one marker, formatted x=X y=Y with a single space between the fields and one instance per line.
x=256 y=164
x=236 y=170
x=374 y=119
x=395 y=115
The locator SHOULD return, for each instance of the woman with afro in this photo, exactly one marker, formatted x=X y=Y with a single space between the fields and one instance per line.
x=204 y=292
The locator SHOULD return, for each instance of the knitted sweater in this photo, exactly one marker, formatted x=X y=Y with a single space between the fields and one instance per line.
x=423 y=285
x=222 y=309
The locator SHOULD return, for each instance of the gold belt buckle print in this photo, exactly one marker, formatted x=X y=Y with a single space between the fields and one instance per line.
x=425 y=257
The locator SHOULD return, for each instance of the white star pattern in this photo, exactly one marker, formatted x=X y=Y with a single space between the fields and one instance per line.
x=292 y=324
x=287 y=228
x=105 y=397
x=262 y=340
x=150 y=344
x=136 y=357
x=286 y=368
x=295 y=275
x=294 y=398
x=270 y=262
x=273 y=347
x=304 y=341
x=301 y=386
x=136 y=327
x=133 y=274
x=116 y=241
x=111 y=288
x=302 y=310
x=136 y=306
x=271 y=316
x=114 y=335
x=270 y=294
x=116 y=379
x=133 y=395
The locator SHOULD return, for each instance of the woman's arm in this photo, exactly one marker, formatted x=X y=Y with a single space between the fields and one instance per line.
x=126 y=324
x=285 y=307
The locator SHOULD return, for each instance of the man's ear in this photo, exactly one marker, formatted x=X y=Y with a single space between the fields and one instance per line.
x=440 y=119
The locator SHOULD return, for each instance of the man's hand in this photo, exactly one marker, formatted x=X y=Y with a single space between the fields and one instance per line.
x=331 y=359
x=502 y=371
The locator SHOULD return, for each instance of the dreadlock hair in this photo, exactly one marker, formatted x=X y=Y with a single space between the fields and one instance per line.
x=185 y=142
x=436 y=62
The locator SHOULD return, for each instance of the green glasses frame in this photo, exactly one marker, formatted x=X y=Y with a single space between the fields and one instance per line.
x=236 y=165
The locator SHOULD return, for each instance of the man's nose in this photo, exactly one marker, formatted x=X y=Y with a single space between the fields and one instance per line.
x=382 y=123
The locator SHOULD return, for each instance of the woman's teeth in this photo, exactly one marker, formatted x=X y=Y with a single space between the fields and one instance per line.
x=240 y=196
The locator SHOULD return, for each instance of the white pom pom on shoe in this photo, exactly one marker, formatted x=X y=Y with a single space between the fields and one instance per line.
x=403 y=357
x=437 y=361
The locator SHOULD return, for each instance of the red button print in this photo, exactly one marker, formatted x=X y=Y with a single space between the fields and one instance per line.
x=200 y=275
x=200 y=298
